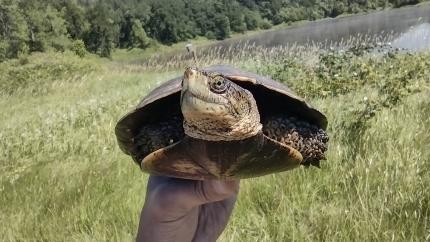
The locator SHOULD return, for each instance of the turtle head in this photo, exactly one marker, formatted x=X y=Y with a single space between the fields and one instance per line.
x=215 y=108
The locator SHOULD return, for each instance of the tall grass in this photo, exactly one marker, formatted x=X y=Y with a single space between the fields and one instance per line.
x=63 y=177
x=380 y=194
x=244 y=50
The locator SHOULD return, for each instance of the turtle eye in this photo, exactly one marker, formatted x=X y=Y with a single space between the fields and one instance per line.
x=219 y=84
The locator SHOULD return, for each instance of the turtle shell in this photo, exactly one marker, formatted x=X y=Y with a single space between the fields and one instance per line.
x=163 y=103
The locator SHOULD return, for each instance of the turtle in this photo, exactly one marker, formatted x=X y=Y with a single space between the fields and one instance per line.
x=224 y=123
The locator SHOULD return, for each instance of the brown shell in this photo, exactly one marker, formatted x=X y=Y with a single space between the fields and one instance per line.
x=163 y=102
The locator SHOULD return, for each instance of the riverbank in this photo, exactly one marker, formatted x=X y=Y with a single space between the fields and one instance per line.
x=63 y=177
x=202 y=43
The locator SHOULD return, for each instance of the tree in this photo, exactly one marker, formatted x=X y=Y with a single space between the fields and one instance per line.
x=103 y=30
x=13 y=31
x=169 y=22
x=292 y=14
x=399 y=3
x=234 y=12
x=237 y=23
x=222 y=30
x=201 y=13
x=126 y=27
x=139 y=39
x=270 y=9
x=252 y=20
x=55 y=31
x=76 y=23
x=40 y=25
x=47 y=27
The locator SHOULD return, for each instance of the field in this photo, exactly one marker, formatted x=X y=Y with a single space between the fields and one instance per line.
x=63 y=178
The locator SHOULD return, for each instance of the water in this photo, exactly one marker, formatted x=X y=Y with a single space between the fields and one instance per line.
x=417 y=38
x=407 y=27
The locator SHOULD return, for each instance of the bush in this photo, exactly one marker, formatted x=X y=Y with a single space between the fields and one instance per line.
x=210 y=35
x=78 y=47
x=3 y=50
x=36 y=74
x=139 y=38
x=12 y=49
x=223 y=27
x=252 y=20
x=292 y=14
x=265 y=24
x=389 y=77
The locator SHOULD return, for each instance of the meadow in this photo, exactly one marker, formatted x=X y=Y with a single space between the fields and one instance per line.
x=63 y=177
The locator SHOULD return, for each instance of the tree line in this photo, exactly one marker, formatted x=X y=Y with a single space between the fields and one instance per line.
x=99 y=26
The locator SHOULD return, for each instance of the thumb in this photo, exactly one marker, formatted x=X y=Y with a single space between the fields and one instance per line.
x=180 y=196
x=214 y=190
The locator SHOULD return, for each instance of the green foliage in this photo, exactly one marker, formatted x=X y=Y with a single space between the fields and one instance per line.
x=235 y=16
x=139 y=39
x=78 y=47
x=223 y=30
x=63 y=177
x=13 y=31
x=399 y=3
x=292 y=14
x=252 y=20
x=39 y=25
x=265 y=24
x=169 y=22
x=340 y=72
x=47 y=27
x=76 y=22
x=389 y=78
x=38 y=74
x=102 y=31
x=210 y=35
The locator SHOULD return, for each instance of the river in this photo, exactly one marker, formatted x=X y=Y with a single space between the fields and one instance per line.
x=407 y=27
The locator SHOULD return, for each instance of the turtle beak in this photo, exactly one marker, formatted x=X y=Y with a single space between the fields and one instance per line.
x=189 y=74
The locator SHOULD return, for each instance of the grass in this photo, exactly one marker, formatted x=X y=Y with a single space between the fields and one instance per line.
x=140 y=55
x=174 y=51
x=380 y=195
x=63 y=177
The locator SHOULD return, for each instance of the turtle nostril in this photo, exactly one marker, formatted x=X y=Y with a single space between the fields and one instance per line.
x=189 y=72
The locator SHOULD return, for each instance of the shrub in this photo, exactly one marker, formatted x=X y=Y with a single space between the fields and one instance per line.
x=265 y=24
x=37 y=73
x=389 y=77
x=210 y=35
x=78 y=47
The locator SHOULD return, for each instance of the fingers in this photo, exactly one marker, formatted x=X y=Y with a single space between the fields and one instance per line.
x=181 y=195
x=213 y=191
x=155 y=181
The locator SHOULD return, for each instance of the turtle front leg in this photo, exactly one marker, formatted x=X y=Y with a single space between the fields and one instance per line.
x=307 y=138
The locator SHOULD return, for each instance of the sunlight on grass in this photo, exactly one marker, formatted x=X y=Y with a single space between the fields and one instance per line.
x=63 y=176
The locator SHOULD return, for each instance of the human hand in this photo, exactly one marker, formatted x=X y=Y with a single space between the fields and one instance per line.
x=186 y=210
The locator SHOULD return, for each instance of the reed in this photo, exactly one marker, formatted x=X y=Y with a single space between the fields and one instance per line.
x=63 y=177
